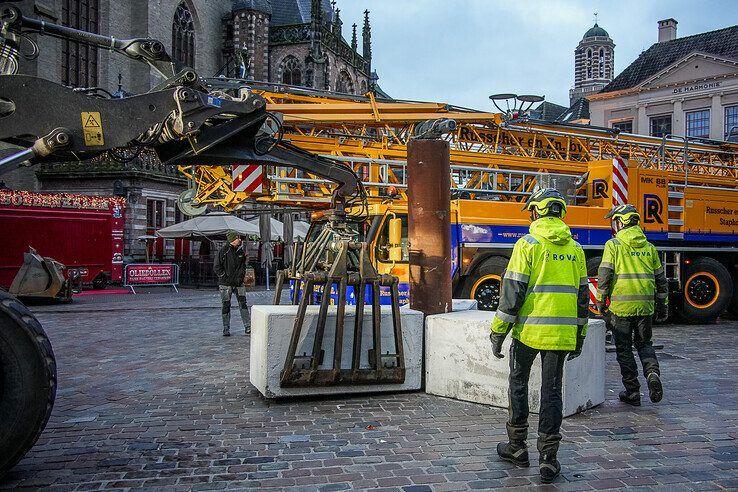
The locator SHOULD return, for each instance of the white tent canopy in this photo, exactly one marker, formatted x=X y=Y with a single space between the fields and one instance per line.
x=300 y=229
x=275 y=228
x=215 y=224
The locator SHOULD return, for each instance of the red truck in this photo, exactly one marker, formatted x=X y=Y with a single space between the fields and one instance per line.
x=85 y=233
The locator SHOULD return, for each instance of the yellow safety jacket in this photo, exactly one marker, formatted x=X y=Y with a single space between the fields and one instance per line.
x=545 y=294
x=631 y=274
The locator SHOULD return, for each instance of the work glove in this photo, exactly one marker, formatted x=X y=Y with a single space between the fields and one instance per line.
x=662 y=312
x=602 y=307
x=577 y=350
x=497 y=339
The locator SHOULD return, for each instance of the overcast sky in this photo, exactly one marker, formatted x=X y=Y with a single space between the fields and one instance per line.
x=461 y=51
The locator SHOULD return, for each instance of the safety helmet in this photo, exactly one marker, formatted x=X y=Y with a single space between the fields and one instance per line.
x=627 y=214
x=547 y=201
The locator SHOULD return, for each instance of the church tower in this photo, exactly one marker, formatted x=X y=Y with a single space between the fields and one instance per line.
x=594 y=63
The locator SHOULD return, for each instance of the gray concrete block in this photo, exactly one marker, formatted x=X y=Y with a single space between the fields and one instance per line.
x=460 y=364
x=271 y=330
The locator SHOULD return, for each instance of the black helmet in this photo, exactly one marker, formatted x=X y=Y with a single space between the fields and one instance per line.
x=547 y=201
x=627 y=214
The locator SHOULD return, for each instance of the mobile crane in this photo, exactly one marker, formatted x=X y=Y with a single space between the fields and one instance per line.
x=183 y=122
x=686 y=190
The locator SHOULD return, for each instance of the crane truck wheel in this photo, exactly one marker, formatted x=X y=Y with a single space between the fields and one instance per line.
x=483 y=285
x=27 y=380
x=707 y=292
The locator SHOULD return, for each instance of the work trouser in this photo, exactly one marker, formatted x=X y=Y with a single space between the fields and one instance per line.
x=629 y=331
x=226 y=292
x=551 y=409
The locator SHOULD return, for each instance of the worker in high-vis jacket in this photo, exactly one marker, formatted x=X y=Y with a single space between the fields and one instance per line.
x=544 y=305
x=632 y=277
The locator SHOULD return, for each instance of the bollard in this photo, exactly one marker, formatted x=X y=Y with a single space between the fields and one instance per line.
x=429 y=225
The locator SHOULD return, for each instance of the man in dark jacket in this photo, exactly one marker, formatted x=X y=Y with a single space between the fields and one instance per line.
x=230 y=266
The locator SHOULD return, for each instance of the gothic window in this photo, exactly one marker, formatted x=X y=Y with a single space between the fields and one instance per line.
x=291 y=71
x=79 y=61
x=309 y=78
x=601 y=66
x=589 y=63
x=363 y=87
x=183 y=36
x=344 y=83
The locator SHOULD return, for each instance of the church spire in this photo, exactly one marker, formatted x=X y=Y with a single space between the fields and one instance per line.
x=366 y=33
x=337 y=23
x=354 y=40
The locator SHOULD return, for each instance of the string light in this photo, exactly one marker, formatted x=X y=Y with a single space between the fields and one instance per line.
x=60 y=200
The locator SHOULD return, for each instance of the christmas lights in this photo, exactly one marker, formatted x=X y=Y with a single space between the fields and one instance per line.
x=60 y=200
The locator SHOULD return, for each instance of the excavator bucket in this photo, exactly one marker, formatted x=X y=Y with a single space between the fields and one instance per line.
x=40 y=277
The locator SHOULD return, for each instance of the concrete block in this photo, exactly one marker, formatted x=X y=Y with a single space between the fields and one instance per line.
x=456 y=305
x=460 y=364
x=271 y=330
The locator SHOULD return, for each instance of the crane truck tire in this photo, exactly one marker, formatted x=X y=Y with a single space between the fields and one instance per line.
x=483 y=284
x=707 y=292
x=27 y=380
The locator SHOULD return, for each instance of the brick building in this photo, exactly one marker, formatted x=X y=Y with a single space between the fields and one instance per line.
x=296 y=42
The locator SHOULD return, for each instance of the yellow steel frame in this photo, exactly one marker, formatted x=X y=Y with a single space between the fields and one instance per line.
x=372 y=135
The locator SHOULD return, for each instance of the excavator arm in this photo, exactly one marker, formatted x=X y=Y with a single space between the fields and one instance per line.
x=179 y=120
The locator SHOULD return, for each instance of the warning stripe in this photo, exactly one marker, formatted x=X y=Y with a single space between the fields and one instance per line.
x=592 y=291
x=247 y=178
x=619 y=182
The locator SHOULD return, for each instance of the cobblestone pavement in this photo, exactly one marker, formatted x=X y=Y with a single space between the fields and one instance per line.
x=151 y=395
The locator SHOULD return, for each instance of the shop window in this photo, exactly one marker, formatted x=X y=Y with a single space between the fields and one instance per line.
x=660 y=126
x=154 y=214
x=698 y=123
x=624 y=126
x=731 y=120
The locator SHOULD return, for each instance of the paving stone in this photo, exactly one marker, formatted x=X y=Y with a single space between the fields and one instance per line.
x=159 y=399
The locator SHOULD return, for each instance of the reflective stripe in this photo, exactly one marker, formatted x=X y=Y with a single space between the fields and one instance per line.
x=659 y=271
x=584 y=281
x=615 y=241
x=520 y=277
x=565 y=289
x=631 y=298
x=608 y=265
x=551 y=320
x=507 y=318
x=662 y=295
x=530 y=239
x=647 y=276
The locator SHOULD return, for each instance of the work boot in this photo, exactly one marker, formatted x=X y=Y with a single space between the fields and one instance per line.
x=655 y=389
x=549 y=468
x=633 y=398
x=226 y=332
x=515 y=453
x=248 y=330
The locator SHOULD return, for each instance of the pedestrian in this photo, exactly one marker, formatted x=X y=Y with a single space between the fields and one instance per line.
x=632 y=277
x=230 y=266
x=544 y=302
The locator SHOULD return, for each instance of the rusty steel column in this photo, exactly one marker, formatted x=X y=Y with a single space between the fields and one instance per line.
x=429 y=225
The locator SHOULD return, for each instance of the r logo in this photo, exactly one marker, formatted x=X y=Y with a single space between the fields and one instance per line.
x=599 y=189
x=652 y=209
